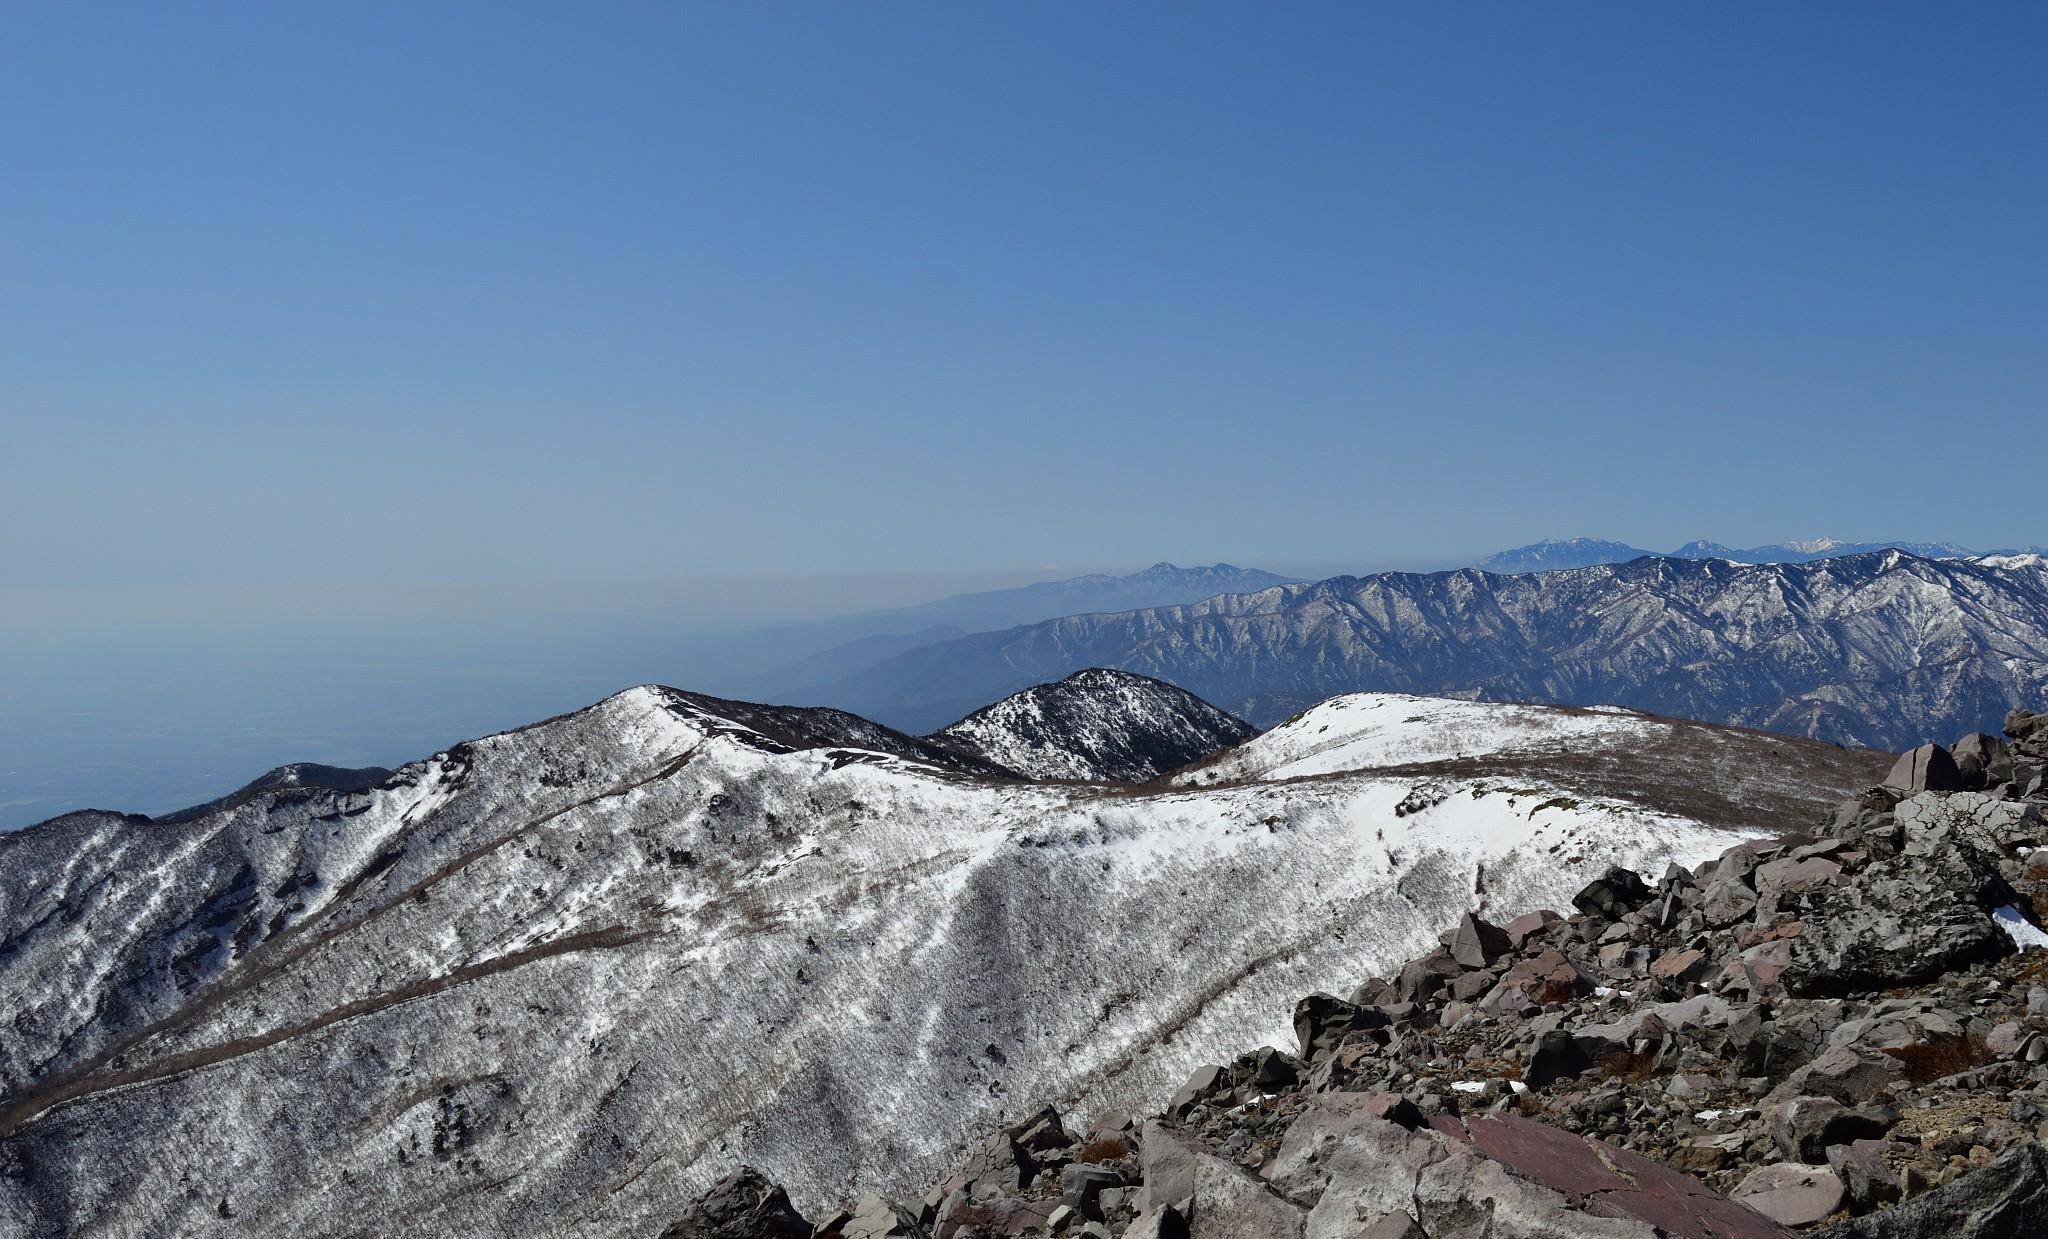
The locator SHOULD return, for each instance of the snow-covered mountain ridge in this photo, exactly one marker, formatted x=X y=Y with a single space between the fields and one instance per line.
x=557 y=980
x=1883 y=649
x=1557 y=553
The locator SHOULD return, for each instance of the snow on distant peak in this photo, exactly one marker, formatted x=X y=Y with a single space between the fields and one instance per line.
x=2021 y=560
x=1366 y=731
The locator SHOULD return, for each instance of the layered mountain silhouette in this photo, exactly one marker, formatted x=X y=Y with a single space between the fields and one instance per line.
x=1882 y=649
x=1585 y=552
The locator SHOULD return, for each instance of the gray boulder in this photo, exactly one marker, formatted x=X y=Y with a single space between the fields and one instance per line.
x=1904 y=921
x=1865 y=1170
x=1929 y=768
x=1791 y=1194
x=2006 y=1200
x=1982 y=760
x=1557 y=1055
x=1805 y=1127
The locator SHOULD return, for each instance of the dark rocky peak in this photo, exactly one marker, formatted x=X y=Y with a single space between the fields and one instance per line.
x=799 y=728
x=1096 y=725
x=310 y=777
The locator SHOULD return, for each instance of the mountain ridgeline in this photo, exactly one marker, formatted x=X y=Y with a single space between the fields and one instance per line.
x=562 y=979
x=1554 y=553
x=1881 y=649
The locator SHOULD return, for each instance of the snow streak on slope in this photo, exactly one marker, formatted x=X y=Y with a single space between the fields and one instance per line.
x=558 y=980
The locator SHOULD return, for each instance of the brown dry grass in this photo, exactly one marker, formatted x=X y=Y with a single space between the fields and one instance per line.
x=1107 y=1149
x=1633 y=1068
x=1936 y=1059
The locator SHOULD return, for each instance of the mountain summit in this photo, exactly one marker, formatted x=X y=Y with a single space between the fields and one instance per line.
x=1097 y=724
x=563 y=979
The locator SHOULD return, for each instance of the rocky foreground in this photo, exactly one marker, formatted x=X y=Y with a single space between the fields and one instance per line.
x=1844 y=1032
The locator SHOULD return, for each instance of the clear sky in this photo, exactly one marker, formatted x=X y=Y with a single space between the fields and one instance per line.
x=375 y=376
x=508 y=293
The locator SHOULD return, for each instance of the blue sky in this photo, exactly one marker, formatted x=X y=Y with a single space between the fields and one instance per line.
x=536 y=294
x=376 y=376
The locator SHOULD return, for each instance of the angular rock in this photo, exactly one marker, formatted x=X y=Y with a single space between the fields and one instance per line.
x=1548 y=978
x=1557 y=1055
x=1727 y=901
x=1393 y=1226
x=2025 y=725
x=1848 y=1075
x=1804 y=1127
x=1423 y=977
x=744 y=1205
x=1904 y=921
x=1206 y=1081
x=1321 y=1022
x=1685 y=965
x=876 y=1218
x=1612 y=893
x=1476 y=943
x=1928 y=768
x=1530 y=925
x=1164 y=1222
x=1042 y=1132
x=2007 y=1199
x=1220 y=1198
x=1982 y=761
x=1864 y=1167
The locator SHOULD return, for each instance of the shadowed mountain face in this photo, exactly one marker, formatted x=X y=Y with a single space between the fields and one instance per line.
x=560 y=980
x=310 y=776
x=1883 y=649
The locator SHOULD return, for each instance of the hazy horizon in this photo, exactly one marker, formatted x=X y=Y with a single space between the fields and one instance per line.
x=374 y=380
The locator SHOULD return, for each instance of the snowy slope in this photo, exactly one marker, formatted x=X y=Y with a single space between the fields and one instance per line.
x=556 y=981
x=1099 y=725
x=1366 y=730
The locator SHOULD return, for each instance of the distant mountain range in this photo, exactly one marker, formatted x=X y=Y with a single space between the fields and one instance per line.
x=774 y=660
x=1585 y=552
x=1881 y=648
x=788 y=662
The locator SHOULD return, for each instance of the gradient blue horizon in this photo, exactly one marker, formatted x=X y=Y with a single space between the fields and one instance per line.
x=521 y=293
x=372 y=376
